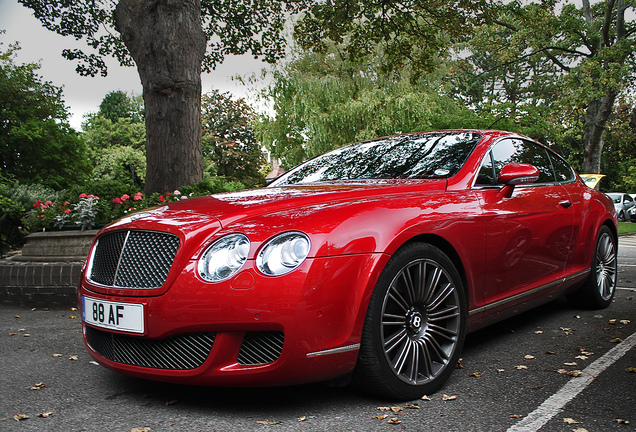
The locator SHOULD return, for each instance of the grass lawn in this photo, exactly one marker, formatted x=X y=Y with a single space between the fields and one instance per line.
x=626 y=227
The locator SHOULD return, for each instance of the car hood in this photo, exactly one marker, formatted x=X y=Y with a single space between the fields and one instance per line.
x=190 y=215
x=230 y=208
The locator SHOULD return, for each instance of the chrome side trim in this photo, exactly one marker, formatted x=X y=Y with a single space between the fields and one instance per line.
x=335 y=350
x=548 y=286
x=578 y=275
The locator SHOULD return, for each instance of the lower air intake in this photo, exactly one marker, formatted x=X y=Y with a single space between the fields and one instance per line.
x=261 y=348
x=181 y=352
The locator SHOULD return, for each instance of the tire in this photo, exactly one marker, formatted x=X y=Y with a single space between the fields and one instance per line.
x=621 y=216
x=600 y=287
x=415 y=325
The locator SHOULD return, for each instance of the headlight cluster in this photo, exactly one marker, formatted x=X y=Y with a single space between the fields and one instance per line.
x=280 y=255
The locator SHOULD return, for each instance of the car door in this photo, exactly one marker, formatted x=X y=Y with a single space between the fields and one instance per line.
x=528 y=235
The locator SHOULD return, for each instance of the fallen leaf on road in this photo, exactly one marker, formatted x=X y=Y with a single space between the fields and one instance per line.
x=449 y=398
x=475 y=374
x=550 y=352
x=397 y=409
x=625 y=322
x=140 y=429
x=516 y=416
x=569 y=420
x=73 y=357
x=621 y=421
x=20 y=417
x=631 y=370
x=38 y=386
x=528 y=357
x=539 y=332
x=171 y=402
x=413 y=405
x=570 y=364
x=302 y=418
x=12 y=334
x=616 y=340
x=521 y=367
x=425 y=398
x=380 y=416
x=612 y=321
x=46 y=414
x=268 y=422
x=582 y=357
x=57 y=355
x=394 y=421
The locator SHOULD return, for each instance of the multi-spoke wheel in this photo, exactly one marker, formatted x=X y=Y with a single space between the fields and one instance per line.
x=415 y=325
x=598 y=291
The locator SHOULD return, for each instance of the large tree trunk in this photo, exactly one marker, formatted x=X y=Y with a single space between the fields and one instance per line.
x=166 y=40
x=596 y=116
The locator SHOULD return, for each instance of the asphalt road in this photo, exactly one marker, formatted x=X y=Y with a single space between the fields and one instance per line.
x=513 y=379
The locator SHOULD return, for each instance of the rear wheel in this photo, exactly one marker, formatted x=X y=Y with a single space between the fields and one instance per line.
x=598 y=291
x=415 y=325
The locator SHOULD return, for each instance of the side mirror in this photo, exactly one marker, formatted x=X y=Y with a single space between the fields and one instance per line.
x=513 y=174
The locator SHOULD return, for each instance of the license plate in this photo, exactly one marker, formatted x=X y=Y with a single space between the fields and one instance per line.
x=128 y=317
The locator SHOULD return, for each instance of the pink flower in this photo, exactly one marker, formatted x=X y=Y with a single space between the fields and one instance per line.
x=117 y=201
x=67 y=203
x=67 y=211
x=48 y=203
x=125 y=197
x=83 y=195
x=37 y=204
x=176 y=192
x=138 y=196
x=161 y=198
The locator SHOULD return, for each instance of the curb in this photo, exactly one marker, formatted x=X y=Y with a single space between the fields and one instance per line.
x=39 y=284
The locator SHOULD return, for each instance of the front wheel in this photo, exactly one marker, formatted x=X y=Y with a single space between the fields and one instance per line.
x=598 y=291
x=415 y=325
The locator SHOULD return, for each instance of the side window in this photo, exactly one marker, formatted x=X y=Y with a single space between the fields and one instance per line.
x=562 y=170
x=486 y=175
x=628 y=198
x=519 y=151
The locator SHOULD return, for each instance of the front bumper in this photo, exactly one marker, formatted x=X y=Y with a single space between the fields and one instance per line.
x=252 y=330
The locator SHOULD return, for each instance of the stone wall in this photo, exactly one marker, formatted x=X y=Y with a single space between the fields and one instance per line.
x=47 y=272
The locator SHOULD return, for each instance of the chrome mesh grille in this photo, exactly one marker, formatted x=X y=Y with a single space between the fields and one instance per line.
x=133 y=259
x=261 y=348
x=181 y=352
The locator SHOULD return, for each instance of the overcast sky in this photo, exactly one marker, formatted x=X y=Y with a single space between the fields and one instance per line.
x=84 y=94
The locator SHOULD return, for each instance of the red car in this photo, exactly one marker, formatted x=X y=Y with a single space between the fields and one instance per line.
x=372 y=261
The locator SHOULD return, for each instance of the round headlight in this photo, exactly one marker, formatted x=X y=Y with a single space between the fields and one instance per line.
x=283 y=253
x=224 y=258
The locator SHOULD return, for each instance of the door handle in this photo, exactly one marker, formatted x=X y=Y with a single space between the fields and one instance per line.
x=565 y=203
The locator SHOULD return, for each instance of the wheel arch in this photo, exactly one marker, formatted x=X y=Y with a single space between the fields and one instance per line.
x=448 y=249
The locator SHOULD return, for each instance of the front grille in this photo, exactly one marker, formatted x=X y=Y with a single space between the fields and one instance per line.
x=261 y=347
x=133 y=259
x=181 y=352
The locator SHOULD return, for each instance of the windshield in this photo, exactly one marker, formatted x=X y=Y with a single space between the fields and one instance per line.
x=433 y=155
x=616 y=197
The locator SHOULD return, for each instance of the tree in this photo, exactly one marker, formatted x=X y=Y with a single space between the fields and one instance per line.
x=324 y=100
x=37 y=145
x=171 y=42
x=414 y=32
x=118 y=105
x=229 y=138
x=570 y=62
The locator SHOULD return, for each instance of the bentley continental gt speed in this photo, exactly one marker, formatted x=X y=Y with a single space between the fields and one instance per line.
x=372 y=262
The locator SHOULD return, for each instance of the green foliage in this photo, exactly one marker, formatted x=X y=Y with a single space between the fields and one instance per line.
x=116 y=138
x=37 y=145
x=230 y=27
x=118 y=105
x=551 y=70
x=229 y=139
x=619 y=162
x=325 y=100
x=408 y=32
